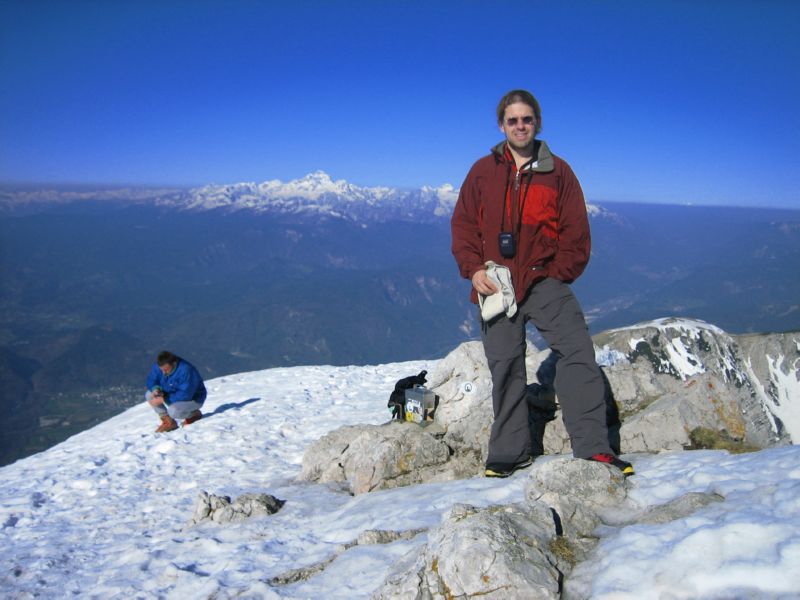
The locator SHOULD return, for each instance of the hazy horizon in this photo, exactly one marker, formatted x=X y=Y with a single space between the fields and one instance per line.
x=23 y=186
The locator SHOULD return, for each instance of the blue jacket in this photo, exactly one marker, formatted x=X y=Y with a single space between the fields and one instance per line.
x=184 y=383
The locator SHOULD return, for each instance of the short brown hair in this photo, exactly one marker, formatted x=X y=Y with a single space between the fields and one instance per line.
x=165 y=357
x=523 y=96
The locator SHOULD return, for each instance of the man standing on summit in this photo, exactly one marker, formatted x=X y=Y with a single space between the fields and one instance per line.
x=521 y=213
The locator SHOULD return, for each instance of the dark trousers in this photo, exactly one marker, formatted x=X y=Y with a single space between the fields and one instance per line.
x=553 y=309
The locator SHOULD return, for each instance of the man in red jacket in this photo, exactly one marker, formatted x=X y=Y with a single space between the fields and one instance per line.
x=522 y=208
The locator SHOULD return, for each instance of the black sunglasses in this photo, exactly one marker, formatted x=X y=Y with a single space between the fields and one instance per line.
x=512 y=121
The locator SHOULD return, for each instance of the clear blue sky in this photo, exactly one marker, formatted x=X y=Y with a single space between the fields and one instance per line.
x=683 y=101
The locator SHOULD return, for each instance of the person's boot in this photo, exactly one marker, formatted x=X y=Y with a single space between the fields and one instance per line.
x=195 y=416
x=614 y=461
x=167 y=424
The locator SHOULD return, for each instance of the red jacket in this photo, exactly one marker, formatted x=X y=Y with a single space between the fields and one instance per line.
x=542 y=205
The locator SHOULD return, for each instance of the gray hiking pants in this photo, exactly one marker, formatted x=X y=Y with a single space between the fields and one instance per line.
x=554 y=310
x=176 y=410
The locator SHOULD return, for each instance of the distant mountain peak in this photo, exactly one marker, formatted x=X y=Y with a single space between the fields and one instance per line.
x=318 y=193
x=312 y=185
x=318 y=177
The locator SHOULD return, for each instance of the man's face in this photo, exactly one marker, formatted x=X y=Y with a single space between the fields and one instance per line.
x=519 y=125
x=167 y=368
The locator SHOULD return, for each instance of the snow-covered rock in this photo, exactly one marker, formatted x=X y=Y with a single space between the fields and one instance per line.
x=772 y=363
x=680 y=373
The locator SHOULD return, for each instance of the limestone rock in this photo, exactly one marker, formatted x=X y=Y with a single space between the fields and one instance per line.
x=703 y=401
x=582 y=492
x=556 y=438
x=528 y=550
x=220 y=509
x=372 y=457
x=666 y=378
x=694 y=364
x=772 y=362
x=494 y=553
x=464 y=385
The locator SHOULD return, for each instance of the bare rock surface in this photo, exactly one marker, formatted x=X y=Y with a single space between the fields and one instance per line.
x=529 y=549
x=493 y=553
x=372 y=457
x=772 y=362
x=665 y=380
x=685 y=374
x=581 y=492
x=220 y=509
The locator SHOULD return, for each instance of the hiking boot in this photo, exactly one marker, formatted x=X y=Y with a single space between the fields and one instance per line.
x=610 y=459
x=506 y=469
x=167 y=424
x=195 y=416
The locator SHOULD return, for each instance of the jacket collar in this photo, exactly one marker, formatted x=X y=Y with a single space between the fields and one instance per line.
x=544 y=162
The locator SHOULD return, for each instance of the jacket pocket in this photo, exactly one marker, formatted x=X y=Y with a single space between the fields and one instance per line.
x=541 y=210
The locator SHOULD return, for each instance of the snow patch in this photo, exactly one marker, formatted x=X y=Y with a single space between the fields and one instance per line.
x=635 y=342
x=608 y=357
x=684 y=361
x=785 y=397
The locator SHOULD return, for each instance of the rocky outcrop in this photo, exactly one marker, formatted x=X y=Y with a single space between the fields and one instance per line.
x=527 y=550
x=499 y=552
x=665 y=379
x=220 y=509
x=372 y=457
x=579 y=492
x=671 y=376
x=464 y=385
x=772 y=362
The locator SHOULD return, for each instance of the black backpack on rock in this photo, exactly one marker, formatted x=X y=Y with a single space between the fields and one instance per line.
x=397 y=400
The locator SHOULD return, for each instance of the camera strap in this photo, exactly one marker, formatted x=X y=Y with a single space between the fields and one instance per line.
x=517 y=199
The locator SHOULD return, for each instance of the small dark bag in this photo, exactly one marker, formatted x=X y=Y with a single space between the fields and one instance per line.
x=397 y=400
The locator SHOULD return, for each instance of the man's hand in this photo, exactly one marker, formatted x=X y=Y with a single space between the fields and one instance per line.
x=482 y=283
x=156 y=398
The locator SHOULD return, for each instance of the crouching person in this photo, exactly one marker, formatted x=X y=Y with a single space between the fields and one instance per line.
x=175 y=390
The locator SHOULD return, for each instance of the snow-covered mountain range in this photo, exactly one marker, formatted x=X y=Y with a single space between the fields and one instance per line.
x=317 y=193
x=314 y=194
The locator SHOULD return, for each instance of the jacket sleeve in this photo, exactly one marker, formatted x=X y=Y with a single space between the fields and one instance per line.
x=154 y=378
x=574 y=238
x=184 y=383
x=465 y=227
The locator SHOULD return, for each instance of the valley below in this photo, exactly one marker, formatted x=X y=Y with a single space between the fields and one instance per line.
x=93 y=289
